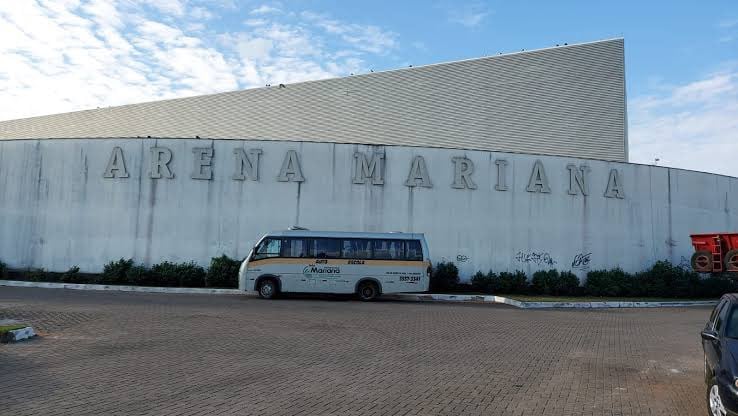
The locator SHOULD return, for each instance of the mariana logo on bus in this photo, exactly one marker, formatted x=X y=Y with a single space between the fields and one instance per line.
x=311 y=269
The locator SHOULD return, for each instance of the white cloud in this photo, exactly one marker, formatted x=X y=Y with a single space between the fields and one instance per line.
x=691 y=126
x=201 y=13
x=170 y=7
x=469 y=15
x=72 y=55
x=368 y=38
x=265 y=9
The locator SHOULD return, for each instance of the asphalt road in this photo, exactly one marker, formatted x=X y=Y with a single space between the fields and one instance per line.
x=138 y=353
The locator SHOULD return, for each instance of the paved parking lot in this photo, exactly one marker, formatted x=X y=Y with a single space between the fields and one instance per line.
x=135 y=353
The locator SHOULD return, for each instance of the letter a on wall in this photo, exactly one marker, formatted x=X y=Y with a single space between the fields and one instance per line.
x=116 y=165
x=418 y=175
x=538 y=180
x=614 y=185
x=291 y=171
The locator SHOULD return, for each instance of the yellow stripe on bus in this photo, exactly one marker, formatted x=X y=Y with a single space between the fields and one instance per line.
x=338 y=262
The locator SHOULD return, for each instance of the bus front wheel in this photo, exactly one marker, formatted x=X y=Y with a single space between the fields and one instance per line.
x=267 y=289
x=368 y=291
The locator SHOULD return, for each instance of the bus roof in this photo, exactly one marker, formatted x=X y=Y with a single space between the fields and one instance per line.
x=346 y=234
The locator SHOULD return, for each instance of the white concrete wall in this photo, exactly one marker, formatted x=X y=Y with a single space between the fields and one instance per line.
x=57 y=210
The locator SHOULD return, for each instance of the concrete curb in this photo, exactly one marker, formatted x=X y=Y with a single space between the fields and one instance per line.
x=17 y=335
x=118 y=288
x=423 y=297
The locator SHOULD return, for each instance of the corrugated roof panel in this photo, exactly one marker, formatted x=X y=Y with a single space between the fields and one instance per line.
x=566 y=101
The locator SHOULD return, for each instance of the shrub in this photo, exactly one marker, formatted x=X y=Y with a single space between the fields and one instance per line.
x=664 y=279
x=114 y=273
x=614 y=282
x=714 y=287
x=37 y=275
x=191 y=275
x=568 y=284
x=223 y=272
x=542 y=281
x=445 y=277
x=139 y=275
x=512 y=283
x=483 y=282
x=178 y=274
x=660 y=280
x=504 y=283
x=552 y=282
x=3 y=267
x=165 y=274
x=71 y=275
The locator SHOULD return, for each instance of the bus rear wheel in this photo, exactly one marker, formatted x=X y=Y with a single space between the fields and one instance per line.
x=368 y=291
x=267 y=289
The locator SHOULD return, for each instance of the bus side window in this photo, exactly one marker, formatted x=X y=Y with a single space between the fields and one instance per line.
x=295 y=248
x=327 y=248
x=389 y=249
x=356 y=249
x=413 y=250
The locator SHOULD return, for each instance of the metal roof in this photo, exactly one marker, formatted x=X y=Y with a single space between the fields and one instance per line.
x=346 y=234
x=567 y=101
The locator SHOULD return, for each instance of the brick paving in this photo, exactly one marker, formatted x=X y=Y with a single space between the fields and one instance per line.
x=139 y=353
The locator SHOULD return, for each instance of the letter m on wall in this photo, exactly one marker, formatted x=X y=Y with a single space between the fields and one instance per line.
x=364 y=168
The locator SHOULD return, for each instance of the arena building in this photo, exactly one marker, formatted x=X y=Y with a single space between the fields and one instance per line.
x=509 y=162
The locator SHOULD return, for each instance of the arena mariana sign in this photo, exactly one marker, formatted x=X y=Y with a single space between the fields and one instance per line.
x=367 y=168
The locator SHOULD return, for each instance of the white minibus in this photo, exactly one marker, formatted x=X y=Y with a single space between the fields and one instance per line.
x=367 y=264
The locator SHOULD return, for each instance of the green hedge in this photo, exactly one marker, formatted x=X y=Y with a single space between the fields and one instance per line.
x=551 y=282
x=223 y=273
x=663 y=280
x=505 y=282
x=444 y=277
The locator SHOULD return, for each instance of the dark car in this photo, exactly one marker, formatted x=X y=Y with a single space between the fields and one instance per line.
x=720 y=343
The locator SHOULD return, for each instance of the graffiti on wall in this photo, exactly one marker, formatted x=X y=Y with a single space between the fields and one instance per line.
x=541 y=258
x=581 y=261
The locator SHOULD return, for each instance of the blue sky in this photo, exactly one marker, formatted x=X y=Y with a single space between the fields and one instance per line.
x=66 y=55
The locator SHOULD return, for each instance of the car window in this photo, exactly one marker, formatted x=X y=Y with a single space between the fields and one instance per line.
x=714 y=313
x=721 y=317
x=731 y=323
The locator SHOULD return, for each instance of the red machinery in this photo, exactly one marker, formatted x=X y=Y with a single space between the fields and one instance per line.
x=715 y=252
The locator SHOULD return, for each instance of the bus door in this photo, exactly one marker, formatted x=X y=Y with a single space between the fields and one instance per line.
x=297 y=257
x=357 y=254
